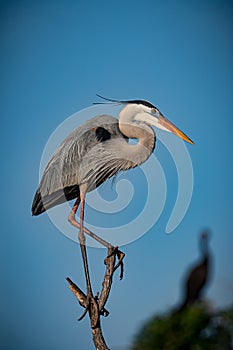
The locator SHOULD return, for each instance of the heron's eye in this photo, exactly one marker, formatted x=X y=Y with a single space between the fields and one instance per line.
x=154 y=110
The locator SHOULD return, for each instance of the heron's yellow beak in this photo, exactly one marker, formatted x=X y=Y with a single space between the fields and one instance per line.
x=167 y=125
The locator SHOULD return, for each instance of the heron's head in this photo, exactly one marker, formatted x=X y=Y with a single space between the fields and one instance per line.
x=147 y=113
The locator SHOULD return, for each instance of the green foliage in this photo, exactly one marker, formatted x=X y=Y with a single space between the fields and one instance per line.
x=193 y=329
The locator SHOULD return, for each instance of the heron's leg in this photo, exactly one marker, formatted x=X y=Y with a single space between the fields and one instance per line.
x=120 y=255
x=82 y=241
x=91 y=303
x=81 y=237
x=72 y=220
x=71 y=217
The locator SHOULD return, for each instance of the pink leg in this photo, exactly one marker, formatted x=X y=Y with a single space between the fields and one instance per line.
x=81 y=237
x=72 y=220
x=71 y=217
x=82 y=242
x=91 y=304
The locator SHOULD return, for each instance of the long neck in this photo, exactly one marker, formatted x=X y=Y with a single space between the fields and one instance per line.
x=204 y=248
x=140 y=152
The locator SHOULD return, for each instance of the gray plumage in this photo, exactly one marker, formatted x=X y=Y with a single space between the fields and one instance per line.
x=99 y=149
x=91 y=154
x=82 y=158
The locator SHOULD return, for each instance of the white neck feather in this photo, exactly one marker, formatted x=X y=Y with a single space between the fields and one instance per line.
x=140 y=152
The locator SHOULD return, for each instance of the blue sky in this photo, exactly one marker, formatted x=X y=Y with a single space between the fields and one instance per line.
x=55 y=56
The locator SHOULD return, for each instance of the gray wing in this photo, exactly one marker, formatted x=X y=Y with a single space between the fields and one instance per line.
x=75 y=161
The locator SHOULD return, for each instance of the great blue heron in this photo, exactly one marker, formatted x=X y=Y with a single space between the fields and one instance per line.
x=198 y=275
x=93 y=153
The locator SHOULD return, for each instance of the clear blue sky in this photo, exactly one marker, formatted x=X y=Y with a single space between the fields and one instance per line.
x=55 y=56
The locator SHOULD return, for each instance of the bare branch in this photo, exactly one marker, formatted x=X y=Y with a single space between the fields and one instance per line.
x=111 y=267
x=77 y=292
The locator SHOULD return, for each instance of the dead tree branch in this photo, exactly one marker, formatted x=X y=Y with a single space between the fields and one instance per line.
x=101 y=300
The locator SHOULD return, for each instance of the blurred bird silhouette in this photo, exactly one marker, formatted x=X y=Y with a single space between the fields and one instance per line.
x=198 y=275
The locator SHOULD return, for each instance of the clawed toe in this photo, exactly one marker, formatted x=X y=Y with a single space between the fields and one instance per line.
x=120 y=255
x=92 y=308
x=104 y=312
x=84 y=313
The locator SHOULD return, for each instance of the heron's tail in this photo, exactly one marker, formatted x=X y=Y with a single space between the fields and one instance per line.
x=42 y=203
x=37 y=205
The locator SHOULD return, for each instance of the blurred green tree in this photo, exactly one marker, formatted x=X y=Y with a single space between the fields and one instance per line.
x=195 y=328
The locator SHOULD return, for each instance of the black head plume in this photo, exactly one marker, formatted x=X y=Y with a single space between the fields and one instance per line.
x=109 y=100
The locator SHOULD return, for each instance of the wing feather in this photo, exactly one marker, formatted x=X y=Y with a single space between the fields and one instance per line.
x=82 y=157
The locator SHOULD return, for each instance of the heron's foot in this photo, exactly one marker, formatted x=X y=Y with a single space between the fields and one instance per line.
x=93 y=309
x=103 y=312
x=120 y=255
x=72 y=220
